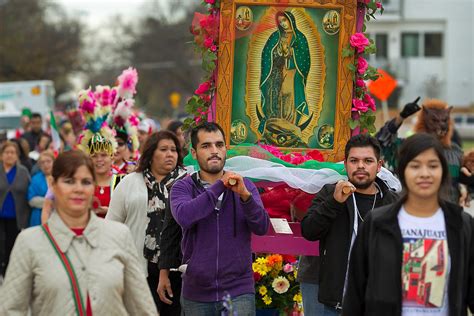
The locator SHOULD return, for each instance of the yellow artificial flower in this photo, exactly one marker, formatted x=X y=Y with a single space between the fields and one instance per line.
x=262 y=290
x=298 y=298
x=260 y=266
x=267 y=300
x=261 y=260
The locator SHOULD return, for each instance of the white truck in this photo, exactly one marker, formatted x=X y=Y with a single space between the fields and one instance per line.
x=37 y=95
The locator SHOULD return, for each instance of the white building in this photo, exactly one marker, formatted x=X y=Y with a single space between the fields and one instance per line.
x=428 y=45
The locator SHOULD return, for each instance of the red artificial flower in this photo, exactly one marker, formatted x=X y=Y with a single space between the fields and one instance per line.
x=360 y=83
x=289 y=258
x=359 y=42
x=205 y=97
x=315 y=155
x=362 y=65
x=359 y=105
x=257 y=277
x=203 y=88
x=370 y=102
x=208 y=42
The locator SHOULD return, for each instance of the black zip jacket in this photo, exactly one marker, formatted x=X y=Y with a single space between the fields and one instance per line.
x=375 y=282
x=332 y=223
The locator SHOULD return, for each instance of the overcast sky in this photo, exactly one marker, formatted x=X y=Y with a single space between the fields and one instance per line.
x=96 y=12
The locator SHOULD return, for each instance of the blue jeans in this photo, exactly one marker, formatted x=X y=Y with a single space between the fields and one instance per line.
x=311 y=305
x=244 y=305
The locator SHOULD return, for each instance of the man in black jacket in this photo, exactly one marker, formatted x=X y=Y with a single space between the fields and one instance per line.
x=338 y=210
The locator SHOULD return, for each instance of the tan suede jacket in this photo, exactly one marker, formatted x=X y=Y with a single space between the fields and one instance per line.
x=105 y=261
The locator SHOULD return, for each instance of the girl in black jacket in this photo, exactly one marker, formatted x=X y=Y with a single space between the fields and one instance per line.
x=416 y=256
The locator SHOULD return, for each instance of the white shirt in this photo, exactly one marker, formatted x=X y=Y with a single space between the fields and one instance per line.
x=425 y=265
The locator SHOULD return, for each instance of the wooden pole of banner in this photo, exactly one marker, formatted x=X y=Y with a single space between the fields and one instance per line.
x=385 y=110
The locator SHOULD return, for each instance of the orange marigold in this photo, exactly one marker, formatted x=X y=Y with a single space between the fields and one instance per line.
x=274 y=259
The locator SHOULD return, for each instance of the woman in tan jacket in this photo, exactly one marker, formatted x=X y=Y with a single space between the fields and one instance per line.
x=77 y=263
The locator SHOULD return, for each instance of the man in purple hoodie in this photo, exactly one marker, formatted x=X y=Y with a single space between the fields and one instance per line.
x=217 y=211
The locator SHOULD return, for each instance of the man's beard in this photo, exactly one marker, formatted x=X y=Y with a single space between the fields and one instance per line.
x=364 y=184
x=214 y=169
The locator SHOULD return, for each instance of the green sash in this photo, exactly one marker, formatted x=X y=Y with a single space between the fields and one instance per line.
x=76 y=291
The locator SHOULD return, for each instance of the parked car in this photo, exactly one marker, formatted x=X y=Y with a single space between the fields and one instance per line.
x=464 y=124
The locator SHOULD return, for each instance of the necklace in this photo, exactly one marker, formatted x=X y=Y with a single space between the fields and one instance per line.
x=377 y=190
x=373 y=206
x=101 y=190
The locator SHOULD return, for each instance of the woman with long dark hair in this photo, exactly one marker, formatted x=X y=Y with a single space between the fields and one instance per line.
x=141 y=200
x=414 y=257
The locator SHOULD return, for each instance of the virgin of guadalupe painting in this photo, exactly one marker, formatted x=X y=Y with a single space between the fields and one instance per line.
x=282 y=80
x=286 y=62
x=285 y=76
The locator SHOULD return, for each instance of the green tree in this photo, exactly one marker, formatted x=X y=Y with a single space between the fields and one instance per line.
x=38 y=41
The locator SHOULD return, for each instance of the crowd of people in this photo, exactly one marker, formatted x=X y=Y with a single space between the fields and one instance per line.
x=175 y=243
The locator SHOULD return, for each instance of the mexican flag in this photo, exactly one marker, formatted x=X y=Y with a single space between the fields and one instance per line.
x=55 y=134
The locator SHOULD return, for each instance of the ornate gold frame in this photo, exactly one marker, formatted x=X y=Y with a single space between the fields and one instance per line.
x=344 y=85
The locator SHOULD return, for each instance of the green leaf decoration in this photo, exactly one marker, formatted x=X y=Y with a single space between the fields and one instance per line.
x=353 y=123
x=371 y=129
x=347 y=52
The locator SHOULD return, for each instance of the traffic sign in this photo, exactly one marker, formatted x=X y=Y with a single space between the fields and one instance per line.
x=383 y=87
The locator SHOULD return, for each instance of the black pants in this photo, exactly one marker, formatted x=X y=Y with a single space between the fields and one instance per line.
x=175 y=279
x=8 y=233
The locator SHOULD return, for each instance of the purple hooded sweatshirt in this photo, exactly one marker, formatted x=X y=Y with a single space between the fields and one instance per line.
x=216 y=243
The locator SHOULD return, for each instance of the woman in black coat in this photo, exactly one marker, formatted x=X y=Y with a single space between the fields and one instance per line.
x=416 y=256
x=14 y=208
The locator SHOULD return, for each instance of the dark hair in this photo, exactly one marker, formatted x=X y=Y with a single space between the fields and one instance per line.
x=207 y=127
x=363 y=140
x=151 y=145
x=173 y=126
x=124 y=137
x=67 y=163
x=417 y=144
x=44 y=135
x=23 y=146
x=36 y=115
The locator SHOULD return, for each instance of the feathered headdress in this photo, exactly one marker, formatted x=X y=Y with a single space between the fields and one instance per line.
x=96 y=107
x=123 y=120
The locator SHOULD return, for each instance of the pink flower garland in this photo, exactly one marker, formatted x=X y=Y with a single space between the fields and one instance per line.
x=294 y=158
x=362 y=101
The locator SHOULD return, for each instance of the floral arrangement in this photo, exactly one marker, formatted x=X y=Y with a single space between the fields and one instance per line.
x=275 y=283
x=363 y=105
x=205 y=28
x=294 y=158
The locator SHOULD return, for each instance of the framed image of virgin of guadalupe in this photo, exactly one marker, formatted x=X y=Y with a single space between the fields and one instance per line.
x=282 y=79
